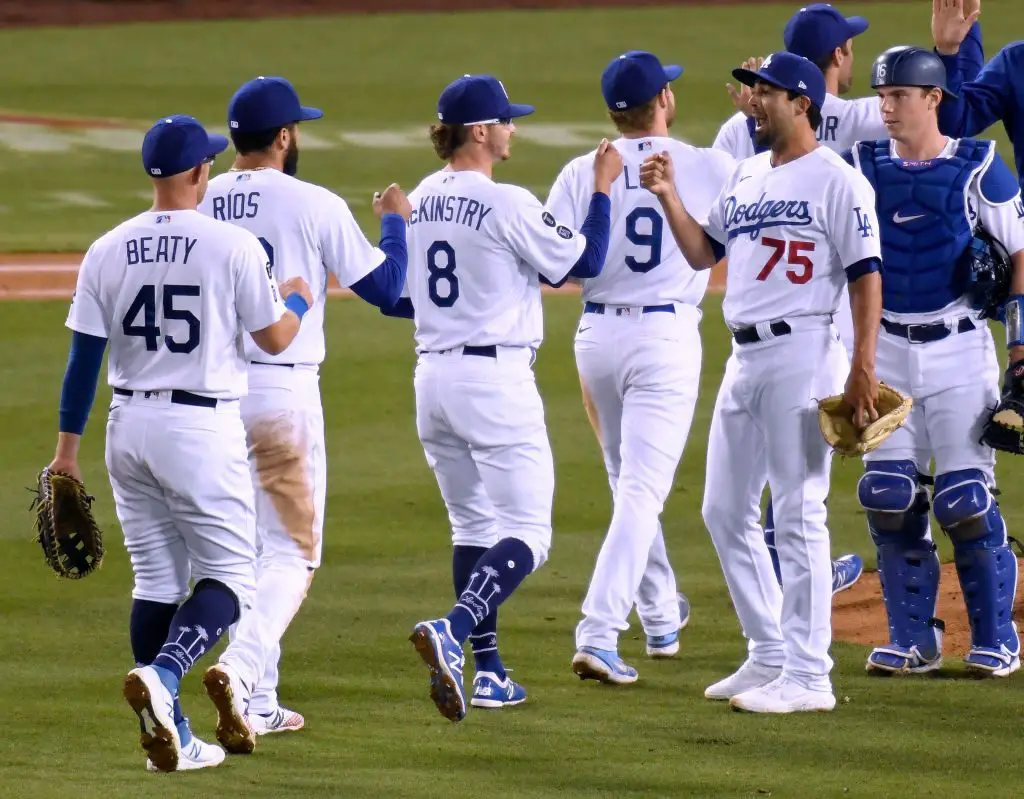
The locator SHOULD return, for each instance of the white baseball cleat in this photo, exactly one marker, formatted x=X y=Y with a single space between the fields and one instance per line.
x=195 y=754
x=154 y=705
x=231 y=698
x=280 y=720
x=747 y=677
x=783 y=696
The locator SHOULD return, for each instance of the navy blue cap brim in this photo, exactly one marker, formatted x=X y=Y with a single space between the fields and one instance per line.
x=218 y=144
x=748 y=77
x=857 y=25
x=673 y=71
x=516 y=110
x=307 y=113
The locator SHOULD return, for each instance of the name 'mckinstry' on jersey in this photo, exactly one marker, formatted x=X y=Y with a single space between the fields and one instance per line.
x=790 y=232
x=307 y=231
x=644 y=265
x=476 y=252
x=173 y=292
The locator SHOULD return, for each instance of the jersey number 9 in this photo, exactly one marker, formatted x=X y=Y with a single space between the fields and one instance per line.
x=441 y=268
x=145 y=303
x=651 y=240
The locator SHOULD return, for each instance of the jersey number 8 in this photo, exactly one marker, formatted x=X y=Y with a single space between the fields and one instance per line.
x=441 y=267
x=145 y=303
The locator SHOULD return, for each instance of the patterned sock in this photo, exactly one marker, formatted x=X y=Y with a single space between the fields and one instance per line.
x=497 y=574
x=147 y=628
x=484 y=638
x=769 y=539
x=197 y=626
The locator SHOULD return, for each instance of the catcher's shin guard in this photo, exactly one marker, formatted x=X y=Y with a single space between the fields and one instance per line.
x=986 y=566
x=908 y=566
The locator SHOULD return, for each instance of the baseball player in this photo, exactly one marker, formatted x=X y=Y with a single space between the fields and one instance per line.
x=994 y=94
x=308 y=232
x=638 y=352
x=172 y=291
x=933 y=192
x=796 y=223
x=478 y=251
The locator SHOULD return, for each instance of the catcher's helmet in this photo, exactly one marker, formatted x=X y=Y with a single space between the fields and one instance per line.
x=910 y=66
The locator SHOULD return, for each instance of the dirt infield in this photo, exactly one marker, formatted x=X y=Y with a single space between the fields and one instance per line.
x=94 y=12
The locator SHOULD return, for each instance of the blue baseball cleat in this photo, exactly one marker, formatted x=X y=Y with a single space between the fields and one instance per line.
x=443 y=655
x=603 y=665
x=666 y=646
x=846 y=570
x=491 y=692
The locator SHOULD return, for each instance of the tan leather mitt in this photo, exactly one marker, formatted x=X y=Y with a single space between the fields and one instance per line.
x=835 y=418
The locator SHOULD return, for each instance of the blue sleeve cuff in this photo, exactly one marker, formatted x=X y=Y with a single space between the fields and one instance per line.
x=596 y=229
x=716 y=246
x=80 y=379
x=403 y=309
x=865 y=267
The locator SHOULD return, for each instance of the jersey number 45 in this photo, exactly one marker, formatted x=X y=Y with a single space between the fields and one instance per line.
x=145 y=304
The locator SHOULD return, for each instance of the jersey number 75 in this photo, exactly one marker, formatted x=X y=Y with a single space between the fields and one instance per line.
x=795 y=257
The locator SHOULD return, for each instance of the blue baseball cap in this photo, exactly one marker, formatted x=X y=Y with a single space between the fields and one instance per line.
x=265 y=104
x=818 y=29
x=476 y=100
x=178 y=143
x=787 y=71
x=635 y=78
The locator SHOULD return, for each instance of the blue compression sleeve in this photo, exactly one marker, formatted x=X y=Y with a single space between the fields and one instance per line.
x=403 y=309
x=383 y=286
x=861 y=268
x=597 y=229
x=80 y=378
x=716 y=246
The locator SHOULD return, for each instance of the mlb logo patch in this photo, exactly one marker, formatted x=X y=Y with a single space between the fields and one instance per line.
x=163 y=219
x=243 y=177
x=620 y=104
x=645 y=145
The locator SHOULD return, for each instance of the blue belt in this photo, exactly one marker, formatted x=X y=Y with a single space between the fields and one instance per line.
x=925 y=334
x=599 y=308
x=177 y=397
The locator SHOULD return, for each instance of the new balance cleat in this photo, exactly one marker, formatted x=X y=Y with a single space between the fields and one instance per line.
x=154 y=705
x=846 y=571
x=603 y=665
x=230 y=696
x=280 y=720
x=783 y=696
x=493 y=693
x=194 y=753
x=443 y=655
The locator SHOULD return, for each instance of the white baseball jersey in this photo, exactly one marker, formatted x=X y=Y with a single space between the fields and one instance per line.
x=476 y=252
x=644 y=265
x=789 y=233
x=306 y=231
x=173 y=292
x=843 y=122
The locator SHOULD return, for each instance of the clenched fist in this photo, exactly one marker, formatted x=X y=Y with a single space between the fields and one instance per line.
x=658 y=175
x=296 y=285
x=392 y=201
x=607 y=166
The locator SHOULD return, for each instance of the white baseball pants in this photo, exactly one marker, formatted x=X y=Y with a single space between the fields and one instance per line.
x=765 y=427
x=639 y=373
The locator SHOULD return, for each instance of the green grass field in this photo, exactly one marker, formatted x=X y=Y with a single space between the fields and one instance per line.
x=371 y=730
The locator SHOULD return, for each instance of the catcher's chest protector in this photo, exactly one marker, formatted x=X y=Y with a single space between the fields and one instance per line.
x=925 y=223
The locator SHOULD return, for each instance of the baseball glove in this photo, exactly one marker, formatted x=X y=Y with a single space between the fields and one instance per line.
x=1004 y=429
x=835 y=418
x=65 y=528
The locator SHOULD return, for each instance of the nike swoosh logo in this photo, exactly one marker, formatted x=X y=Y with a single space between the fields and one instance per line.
x=954 y=503
x=899 y=219
x=745 y=177
x=583 y=330
x=878 y=491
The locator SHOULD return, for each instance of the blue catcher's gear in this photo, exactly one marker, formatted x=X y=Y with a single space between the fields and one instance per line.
x=986 y=566
x=910 y=66
x=908 y=567
x=926 y=224
x=988 y=275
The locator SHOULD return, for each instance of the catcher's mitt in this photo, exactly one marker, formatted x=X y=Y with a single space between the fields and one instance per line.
x=835 y=418
x=1004 y=429
x=65 y=527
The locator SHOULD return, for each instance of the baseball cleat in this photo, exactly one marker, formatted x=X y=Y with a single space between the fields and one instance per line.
x=603 y=665
x=490 y=692
x=194 y=753
x=154 y=705
x=783 y=696
x=748 y=677
x=846 y=571
x=443 y=655
x=895 y=659
x=666 y=646
x=984 y=662
x=280 y=720
x=231 y=698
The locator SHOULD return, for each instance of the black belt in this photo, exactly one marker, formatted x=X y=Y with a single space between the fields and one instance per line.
x=264 y=363
x=177 y=397
x=749 y=335
x=490 y=351
x=599 y=308
x=925 y=334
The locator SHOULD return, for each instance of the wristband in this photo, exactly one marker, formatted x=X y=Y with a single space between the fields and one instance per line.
x=1014 y=310
x=297 y=304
